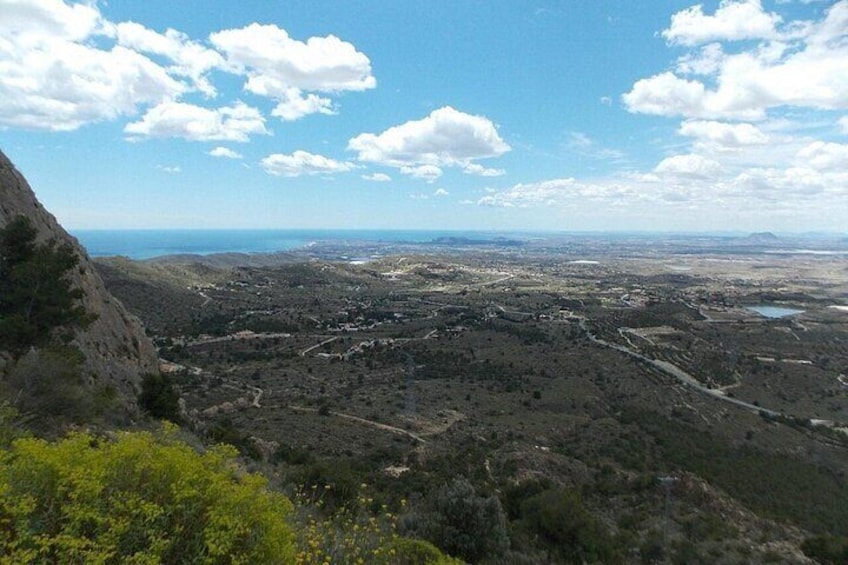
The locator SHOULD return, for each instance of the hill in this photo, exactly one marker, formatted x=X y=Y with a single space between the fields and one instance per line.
x=114 y=351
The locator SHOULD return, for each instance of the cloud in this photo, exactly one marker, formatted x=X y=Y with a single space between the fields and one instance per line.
x=527 y=194
x=294 y=105
x=583 y=145
x=52 y=76
x=64 y=65
x=170 y=169
x=281 y=68
x=481 y=171
x=820 y=155
x=195 y=123
x=303 y=163
x=190 y=58
x=704 y=62
x=723 y=135
x=225 y=153
x=804 y=69
x=428 y=173
x=32 y=20
x=441 y=192
x=445 y=138
x=693 y=166
x=733 y=20
x=377 y=177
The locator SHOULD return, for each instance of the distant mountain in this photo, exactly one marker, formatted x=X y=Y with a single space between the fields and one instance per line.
x=115 y=350
x=762 y=237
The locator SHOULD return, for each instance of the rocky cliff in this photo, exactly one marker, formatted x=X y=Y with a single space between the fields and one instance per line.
x=115 y=347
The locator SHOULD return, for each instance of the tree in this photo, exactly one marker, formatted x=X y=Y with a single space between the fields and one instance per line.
x=36 y=295
x=160 y=397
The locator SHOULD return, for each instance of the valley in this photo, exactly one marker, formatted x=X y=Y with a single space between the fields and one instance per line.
x=593 y=366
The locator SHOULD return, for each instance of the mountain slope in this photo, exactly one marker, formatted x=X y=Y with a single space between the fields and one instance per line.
x=115 y=348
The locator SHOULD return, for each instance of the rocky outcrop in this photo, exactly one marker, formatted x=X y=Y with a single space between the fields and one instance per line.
x=117 y=351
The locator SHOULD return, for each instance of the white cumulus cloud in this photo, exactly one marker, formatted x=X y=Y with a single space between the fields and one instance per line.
x=64 y=65
x=481 y=171
x=688 y=166
x=53 y=78
x=195 y=123
x=294 y=105
x=282 y=68
x=733 y=20
x=804 y=68
x=303 y=163
x=32 y=20
x=723 y=134
x=441 y=192
x=428 y=173
x=445 y=138
x=190 y=58
x=225 y=153
x=821 y=155
x=377 y=177
x=523 y=195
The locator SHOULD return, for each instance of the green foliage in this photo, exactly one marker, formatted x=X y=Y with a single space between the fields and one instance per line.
x=461 y=522
x=827 y=550
x=224 y=431
x=559 y=517
x=355 y=535
x=408 y=551
x=778 y=486
x=138 y=498
x=48 y=383
x=9 y=426
x=160 y=398
x=334 y=485
x=35 y=294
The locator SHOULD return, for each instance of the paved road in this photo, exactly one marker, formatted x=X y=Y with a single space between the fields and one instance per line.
x=673 y=370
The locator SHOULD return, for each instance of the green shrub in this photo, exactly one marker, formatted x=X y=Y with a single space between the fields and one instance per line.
x=138 y=498
x=461 y=522
x=160 y=398
x=48 y=383
x=827 y=550
x=560 y=519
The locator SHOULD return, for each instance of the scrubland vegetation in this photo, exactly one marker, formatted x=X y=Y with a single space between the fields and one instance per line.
x=377 y=414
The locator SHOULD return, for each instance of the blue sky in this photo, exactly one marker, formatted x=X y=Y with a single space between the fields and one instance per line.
x=502 y=115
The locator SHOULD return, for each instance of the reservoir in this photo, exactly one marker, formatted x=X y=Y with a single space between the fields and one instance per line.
x=774 y=311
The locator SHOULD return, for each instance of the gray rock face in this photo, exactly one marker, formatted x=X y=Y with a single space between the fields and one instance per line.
x=117 y=351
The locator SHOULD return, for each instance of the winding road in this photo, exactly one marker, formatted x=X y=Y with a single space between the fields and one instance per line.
x=673 y=370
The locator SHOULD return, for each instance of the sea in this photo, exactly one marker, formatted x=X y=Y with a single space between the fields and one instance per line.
x=147 y=244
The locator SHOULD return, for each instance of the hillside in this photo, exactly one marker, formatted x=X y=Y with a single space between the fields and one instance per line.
x=559 y=388
x=114 y=348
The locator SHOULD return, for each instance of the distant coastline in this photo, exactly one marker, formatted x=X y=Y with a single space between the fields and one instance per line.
x=148 y=244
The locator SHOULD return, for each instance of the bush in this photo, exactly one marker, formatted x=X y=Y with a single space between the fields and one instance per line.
x=354 y=535
x=559 y=517
x=138 y=498
x=828 y=550
x=461 y=522
x=48 y=383
x=160 y=398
